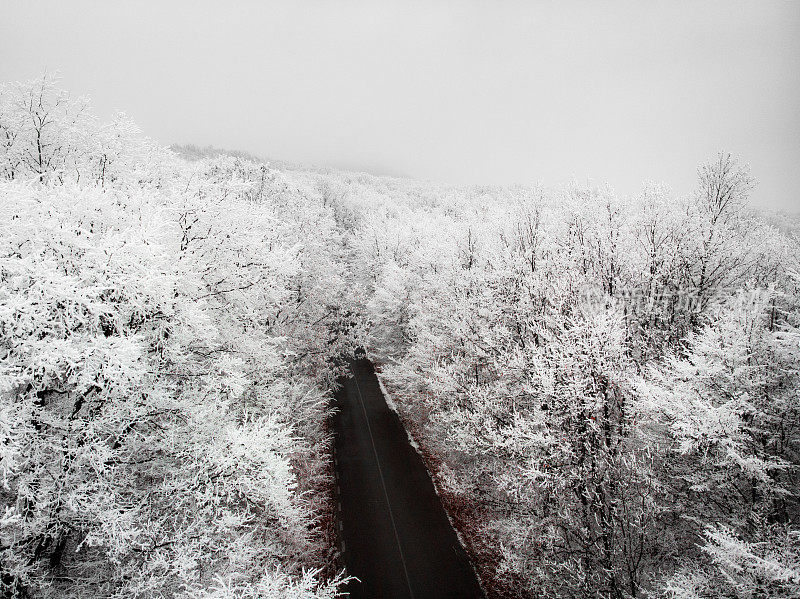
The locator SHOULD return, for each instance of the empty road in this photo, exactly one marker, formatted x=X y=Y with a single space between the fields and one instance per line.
x=396 y=537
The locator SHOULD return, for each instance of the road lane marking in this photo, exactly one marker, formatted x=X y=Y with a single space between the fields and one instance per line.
x=383 y=484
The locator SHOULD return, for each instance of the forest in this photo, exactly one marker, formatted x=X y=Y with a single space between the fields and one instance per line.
x=604 y=388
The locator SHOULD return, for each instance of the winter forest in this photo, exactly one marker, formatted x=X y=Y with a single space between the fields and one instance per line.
x=603 y=388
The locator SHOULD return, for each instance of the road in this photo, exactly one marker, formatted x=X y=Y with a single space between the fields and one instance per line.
x=395 y=535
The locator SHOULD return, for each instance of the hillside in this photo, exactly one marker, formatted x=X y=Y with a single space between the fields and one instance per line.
x=605 y=389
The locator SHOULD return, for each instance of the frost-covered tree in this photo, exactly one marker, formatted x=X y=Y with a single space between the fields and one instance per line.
x=503 y=314
x=168 y=334
x=731 y=410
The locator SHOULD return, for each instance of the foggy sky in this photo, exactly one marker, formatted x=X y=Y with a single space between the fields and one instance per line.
x=464 y=92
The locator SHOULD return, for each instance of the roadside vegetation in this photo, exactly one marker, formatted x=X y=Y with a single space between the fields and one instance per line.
x=169 y=333
x=606 y=387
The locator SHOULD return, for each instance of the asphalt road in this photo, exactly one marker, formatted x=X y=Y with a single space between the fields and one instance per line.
x=395 y=535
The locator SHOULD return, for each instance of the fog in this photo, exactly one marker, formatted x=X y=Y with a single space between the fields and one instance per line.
x=463 y=92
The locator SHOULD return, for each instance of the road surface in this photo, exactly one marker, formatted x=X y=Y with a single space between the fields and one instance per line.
x=394 y=532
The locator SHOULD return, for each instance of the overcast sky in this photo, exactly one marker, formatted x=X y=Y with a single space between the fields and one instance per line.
x=462 y=91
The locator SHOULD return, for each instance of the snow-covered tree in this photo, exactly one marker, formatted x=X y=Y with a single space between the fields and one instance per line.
x=732 y=416
x=168 y=335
